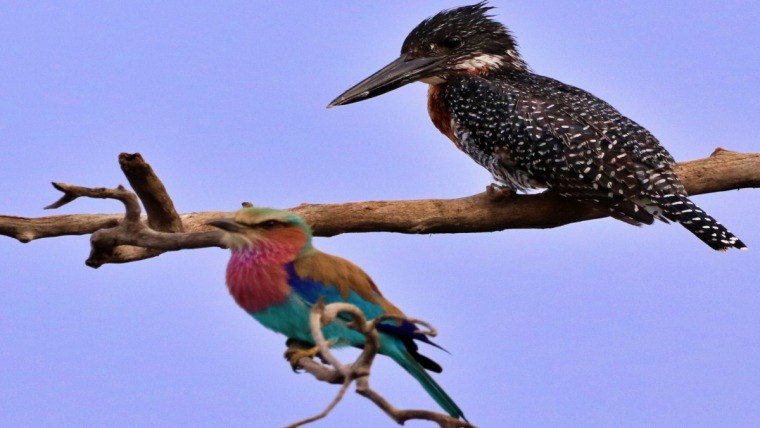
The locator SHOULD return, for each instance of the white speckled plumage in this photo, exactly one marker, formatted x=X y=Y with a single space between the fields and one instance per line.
x=531 y=131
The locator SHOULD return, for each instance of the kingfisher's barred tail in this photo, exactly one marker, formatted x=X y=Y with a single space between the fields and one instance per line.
x=702 y=225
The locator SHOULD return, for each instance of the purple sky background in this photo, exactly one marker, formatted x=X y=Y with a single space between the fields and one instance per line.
x=596 y=324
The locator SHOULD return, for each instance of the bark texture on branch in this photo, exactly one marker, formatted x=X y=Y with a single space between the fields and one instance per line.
x=723 y=170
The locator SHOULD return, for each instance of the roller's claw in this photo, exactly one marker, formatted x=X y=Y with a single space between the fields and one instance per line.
x=293 y=355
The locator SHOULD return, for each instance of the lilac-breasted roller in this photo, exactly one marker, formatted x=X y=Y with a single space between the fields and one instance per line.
x=276 y=275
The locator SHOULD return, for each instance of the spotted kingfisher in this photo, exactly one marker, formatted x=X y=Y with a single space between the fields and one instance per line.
x=532 y=131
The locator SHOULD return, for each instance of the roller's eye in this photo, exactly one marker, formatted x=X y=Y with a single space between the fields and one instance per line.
x=270 y=224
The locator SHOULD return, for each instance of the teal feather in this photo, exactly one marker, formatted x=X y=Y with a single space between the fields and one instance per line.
x=395 y=349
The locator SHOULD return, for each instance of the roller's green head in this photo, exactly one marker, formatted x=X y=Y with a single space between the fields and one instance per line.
x=252 y=227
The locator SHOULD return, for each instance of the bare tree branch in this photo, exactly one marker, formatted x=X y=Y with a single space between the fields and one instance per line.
x=359 y=370
x=26 y=229
x=131 y=236
x=723 y=170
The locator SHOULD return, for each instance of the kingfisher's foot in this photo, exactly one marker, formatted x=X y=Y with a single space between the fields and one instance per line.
x=498 y=192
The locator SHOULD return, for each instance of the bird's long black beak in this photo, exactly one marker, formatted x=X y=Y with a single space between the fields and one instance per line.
x=392 y=76
x=227 y=224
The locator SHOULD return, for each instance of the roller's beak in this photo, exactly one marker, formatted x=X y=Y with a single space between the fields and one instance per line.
x=227 y=224
x=392 y=76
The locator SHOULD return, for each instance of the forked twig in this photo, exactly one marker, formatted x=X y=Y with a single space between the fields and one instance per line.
x=131 y=238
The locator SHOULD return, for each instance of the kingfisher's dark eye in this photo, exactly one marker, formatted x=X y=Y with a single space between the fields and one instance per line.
x=451 y=43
